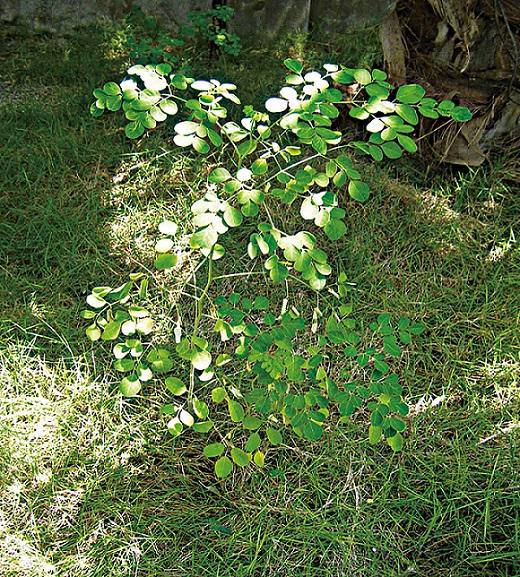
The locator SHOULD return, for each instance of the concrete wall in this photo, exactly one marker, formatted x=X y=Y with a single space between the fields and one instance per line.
x=254 y=19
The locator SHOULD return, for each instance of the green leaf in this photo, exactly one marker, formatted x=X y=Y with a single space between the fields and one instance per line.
x=201 y=409
x=329 y=110
x=259 y=459
x=390 y=346
x=392 y=150
x=340 y=178
x=134 y=129
x=261 y=303
x=93 y=332
x=335 y=229
x=113 y=103
x=86 y=314
x=358 y=113
x=375 y=89
x=223 y=467
x=343 y=77
x=241 y=458
x=331 y=136
x=232 y=216
x=375 y=152
x=253 y=442
x=406 y=112
x=381 y=366
x=461 y=114
x=410 y=93
x=396 y=442
x=218 y=394
x=358 y=190
x=214 y=450
x=259 y=166
x=247 y=147
x=166 y=261
x=175 y=427
x=428 y=112
x=362 y=76
x=417 y=328
x=379 y=74
x=164 y=68
x=203 y=426
x=274 y=436
x=218 y=175
x=293 y=65
x=251 y=423
x=168 y=409
x=95 y=110
x=397 y=424
x=312 y=431
x=445 y=107
x=214 y=137
x=111 y=331
x=175 y=385
x=111 y=88
x=161 y=365
x=319 y=145
x=124 y=365
x=130 y=386
x=407 y=143
x=236 y=411
x=278 y=273
x=200 y=145
x=374 y=434
x=204 y=238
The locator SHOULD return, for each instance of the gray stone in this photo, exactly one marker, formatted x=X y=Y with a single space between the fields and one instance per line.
x=258 y=20
x=336 y=16
x=173 y=12
x=64 y=14
x=264 y=20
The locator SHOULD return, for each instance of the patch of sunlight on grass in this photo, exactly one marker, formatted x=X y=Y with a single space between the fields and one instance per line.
x=21 y=558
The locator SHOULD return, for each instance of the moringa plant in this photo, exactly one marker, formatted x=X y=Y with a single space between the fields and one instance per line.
x=281 y=366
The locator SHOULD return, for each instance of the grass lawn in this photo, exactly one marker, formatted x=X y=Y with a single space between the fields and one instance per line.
x=92 y=485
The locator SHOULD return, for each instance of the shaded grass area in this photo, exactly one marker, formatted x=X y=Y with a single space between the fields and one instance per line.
x=91 y=485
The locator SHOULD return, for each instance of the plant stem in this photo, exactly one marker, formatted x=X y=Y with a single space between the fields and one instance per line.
x=304 y=160
x=204 y=294
x=198 y=316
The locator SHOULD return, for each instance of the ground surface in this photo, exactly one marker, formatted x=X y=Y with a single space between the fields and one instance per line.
x=93 y=486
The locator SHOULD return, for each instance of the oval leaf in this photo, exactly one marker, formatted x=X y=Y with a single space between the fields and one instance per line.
x=241 y=458
x=223 y=467
x=130 y=386
x=175 y=385
x=213 y=450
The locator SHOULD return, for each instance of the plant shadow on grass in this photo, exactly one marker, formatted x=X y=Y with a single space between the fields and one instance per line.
x=93 y=486
x=62 y=212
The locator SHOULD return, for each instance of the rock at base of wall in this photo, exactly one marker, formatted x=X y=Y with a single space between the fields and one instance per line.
x=264 y=20
x=59 y=15
x=336 y=16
